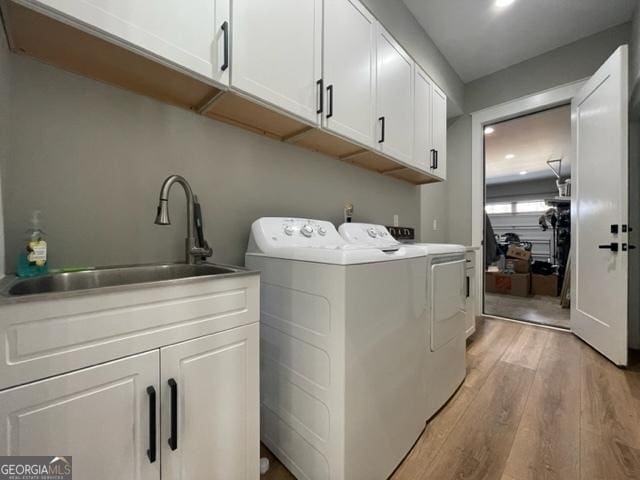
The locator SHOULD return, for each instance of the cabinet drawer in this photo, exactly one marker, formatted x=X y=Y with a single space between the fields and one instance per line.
x=39 y=339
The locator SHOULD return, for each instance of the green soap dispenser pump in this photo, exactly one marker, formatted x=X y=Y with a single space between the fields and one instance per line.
x=32 y=260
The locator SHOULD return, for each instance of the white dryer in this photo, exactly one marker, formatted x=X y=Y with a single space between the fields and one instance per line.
x=341 y=349
x=445 y=368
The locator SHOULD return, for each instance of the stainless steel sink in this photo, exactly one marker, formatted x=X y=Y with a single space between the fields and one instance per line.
x=114 y=276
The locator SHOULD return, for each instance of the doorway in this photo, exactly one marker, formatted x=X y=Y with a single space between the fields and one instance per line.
x=527 y=207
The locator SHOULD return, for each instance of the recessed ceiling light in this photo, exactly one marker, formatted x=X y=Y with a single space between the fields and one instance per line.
x=489 y=130
x=523 y=172
x=503 y=3
x=509 y=156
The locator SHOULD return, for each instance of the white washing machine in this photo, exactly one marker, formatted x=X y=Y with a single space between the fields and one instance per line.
x=342 y=331
x=445 y=367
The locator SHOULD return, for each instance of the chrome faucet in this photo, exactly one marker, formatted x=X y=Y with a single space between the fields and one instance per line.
x=197 y=248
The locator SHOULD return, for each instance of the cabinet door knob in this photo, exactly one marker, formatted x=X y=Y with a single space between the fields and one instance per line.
x=173 y=439
x=330 y=95
x=225 y=33
x=151 y=452
x=383 y=122
x=320 y=84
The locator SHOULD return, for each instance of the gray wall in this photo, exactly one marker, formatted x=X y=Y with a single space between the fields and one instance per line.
x=566 y=64
x=92 y=158
x=4 y=123
x=449 y=203
x=397 y=18
x=634 y=63
x=518 y=191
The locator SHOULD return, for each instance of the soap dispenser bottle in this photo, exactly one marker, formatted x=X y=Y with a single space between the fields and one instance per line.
x=32 y=260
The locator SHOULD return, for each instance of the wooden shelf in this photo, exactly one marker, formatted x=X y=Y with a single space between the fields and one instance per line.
x=52 y=41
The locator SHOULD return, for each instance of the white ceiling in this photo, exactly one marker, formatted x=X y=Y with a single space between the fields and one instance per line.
x=478 y=38
x=532 y=140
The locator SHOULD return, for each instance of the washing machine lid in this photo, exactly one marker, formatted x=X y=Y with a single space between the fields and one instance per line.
x=317 y=241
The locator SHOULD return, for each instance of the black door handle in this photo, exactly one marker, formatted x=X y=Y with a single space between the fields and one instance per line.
x=330 y=95
x=225 y=31
x=436 y=167
x=320 y=84
x=384 y=121
x=151 y=453
x=173 y=440
x=433 y=159
x=611 y=246
x=468 y=287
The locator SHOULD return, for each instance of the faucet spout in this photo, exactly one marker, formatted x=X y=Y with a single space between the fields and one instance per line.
x=194 y=251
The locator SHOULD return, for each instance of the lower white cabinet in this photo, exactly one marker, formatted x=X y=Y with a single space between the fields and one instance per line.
x=210 y=405
x=100 y=416
x=189 y=411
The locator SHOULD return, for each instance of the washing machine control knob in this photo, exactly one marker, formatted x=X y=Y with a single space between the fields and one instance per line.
x=307 y=230
x=322 y=231
x=372 y=232
x=288 y=229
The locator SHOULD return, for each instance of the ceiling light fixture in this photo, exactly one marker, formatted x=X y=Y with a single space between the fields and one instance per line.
x=523 y=172
x=489 y=130
x=509 y=156
x=503 y=3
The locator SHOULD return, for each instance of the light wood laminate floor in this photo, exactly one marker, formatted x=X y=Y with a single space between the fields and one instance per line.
x=536 y=308
x=537 y=404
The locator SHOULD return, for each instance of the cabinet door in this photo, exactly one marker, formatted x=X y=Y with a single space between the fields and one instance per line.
x=394 y=98
x=439 y=122
x=422 y=146
x=349 y=70
x=277 y=48
x=100 y=416
x=210 y=407
x=191 y=38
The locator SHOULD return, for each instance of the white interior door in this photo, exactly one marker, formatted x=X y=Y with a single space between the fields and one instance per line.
x=349 y=70
x=599 y=207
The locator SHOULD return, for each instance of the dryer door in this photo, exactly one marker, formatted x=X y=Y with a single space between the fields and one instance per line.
x=447 y=300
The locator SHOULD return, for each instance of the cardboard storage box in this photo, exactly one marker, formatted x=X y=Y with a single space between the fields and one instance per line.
x=544 y=284
x=518 y=284
x=518 y=252
x=519 y=266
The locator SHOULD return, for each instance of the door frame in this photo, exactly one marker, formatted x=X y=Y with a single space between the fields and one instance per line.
x=525 y=105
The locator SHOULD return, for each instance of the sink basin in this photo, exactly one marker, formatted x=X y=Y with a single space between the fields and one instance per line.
x=116 y=276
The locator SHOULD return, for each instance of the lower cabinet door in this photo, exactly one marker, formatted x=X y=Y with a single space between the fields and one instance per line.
x=210 y=407
x=99 y=416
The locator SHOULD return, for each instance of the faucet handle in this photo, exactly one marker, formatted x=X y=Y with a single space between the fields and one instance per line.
x=203 y=252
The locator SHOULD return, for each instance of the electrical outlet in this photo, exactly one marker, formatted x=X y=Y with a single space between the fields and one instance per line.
x=435 y=224
x=396 y=220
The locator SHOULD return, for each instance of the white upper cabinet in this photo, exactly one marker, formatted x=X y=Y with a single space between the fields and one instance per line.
x=394 y=103
x=423 y=145
x=210 y=407
x=105 y=417
x=277 y=52
x=349 y=71
x=439 y=128
x=192 y=38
